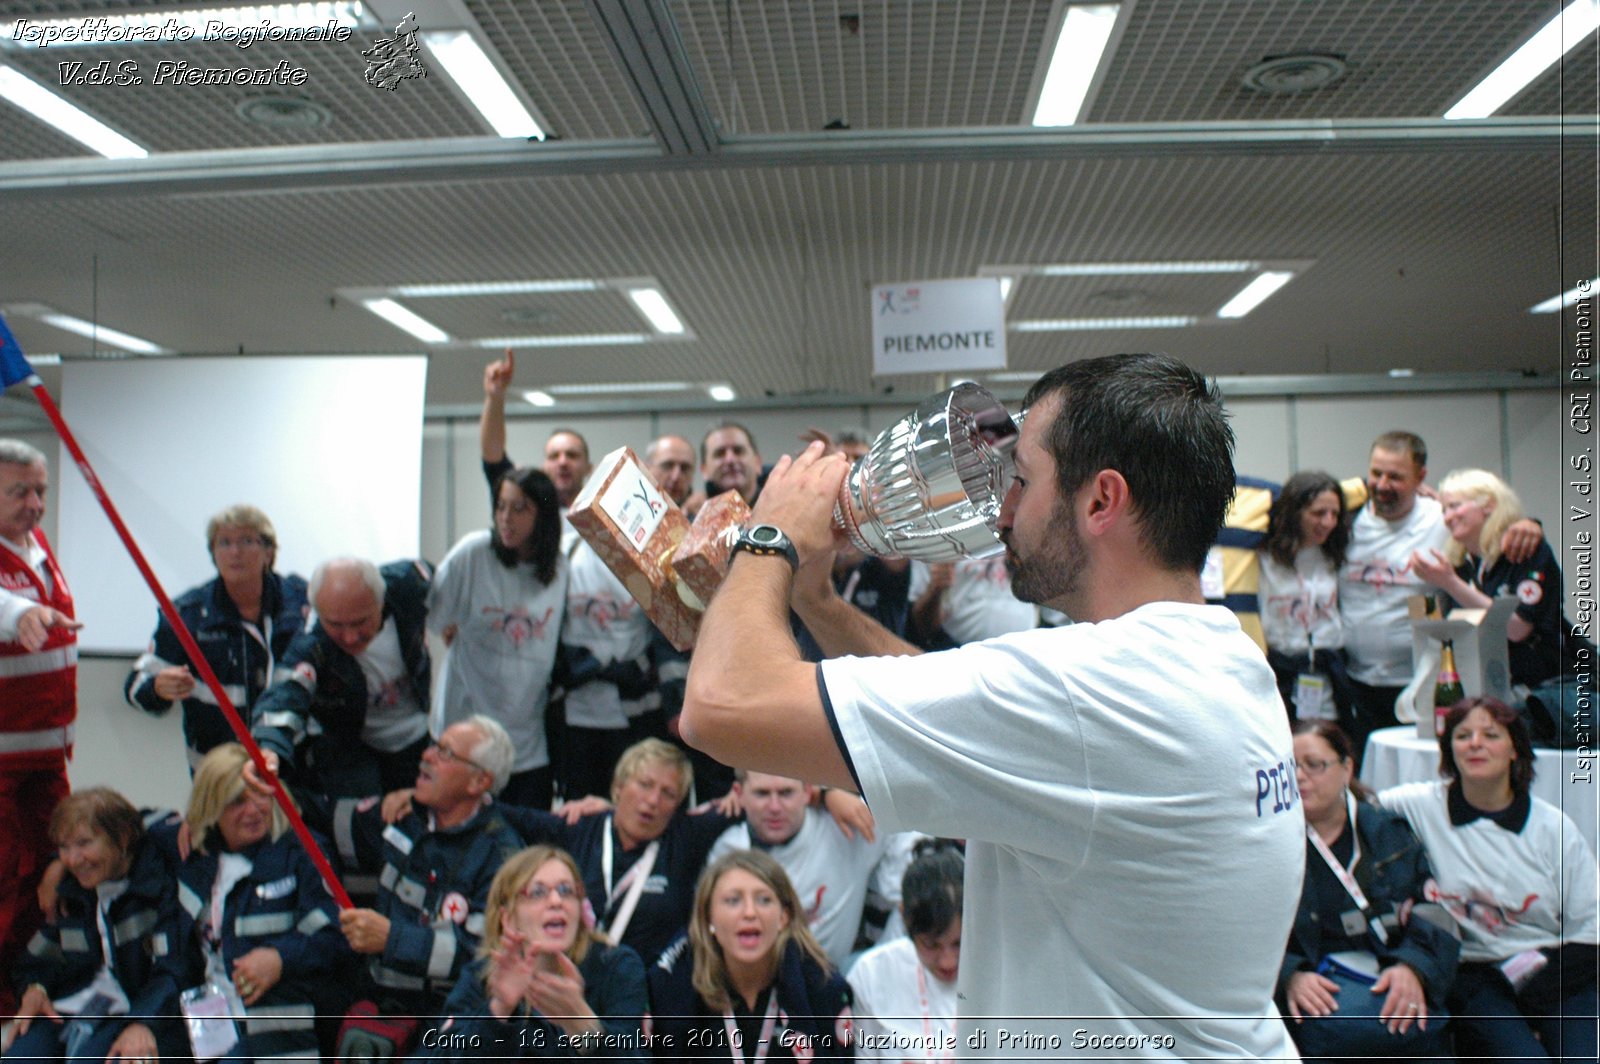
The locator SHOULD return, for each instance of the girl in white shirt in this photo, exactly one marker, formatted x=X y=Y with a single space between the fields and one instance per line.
x=906 y=988
x=1307 y=534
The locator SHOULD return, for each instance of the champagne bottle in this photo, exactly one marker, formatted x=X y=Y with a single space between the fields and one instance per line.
x=1447 y=690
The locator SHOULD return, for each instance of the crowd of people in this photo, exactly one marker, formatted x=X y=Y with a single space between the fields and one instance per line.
x=577 y=840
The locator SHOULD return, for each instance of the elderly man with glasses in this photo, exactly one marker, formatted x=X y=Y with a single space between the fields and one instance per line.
x=434 y=866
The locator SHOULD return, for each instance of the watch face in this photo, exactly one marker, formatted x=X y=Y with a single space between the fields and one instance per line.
x=765 y=535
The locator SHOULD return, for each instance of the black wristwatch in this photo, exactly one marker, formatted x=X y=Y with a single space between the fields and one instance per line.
x=767 y=540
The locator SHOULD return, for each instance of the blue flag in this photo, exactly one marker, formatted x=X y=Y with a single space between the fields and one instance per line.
x=13 y=367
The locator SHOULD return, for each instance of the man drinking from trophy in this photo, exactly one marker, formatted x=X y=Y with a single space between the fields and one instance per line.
x=1126 y=783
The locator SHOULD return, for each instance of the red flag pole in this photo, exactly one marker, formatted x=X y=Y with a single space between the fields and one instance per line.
x=202 y=666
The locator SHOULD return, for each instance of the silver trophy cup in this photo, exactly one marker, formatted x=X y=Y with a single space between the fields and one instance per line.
x=931 y=485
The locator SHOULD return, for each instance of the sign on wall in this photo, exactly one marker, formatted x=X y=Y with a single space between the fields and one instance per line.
x=931 y=326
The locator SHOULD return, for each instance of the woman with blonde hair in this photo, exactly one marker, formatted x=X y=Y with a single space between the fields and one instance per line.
x=750 y=978
x=260 y=930
x=243 y=621
x=1478 y=508
x=543 y=972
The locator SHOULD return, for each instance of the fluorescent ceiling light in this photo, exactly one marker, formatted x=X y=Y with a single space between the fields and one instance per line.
x=1079 y=48
x=1255 y=293
x=1075 y=324
x=618 y=389
x=574 y=340
x=494 y=288
x=79 y=125
x=538 y=398
x=469 y=65
x=1566 y=299
x=100 y=332
x=1402 y=373
x=654 y=306
x=1015 y=376
x=1005 y=287
x=722 y=393
x=401 y=318
x=1104 y=269
x=1576 y=22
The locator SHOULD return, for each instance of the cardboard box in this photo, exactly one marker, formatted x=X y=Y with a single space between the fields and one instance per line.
x=1478 y=637
x=670 y=567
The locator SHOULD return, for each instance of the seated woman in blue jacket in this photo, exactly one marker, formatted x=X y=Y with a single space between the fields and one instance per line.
x=258 y=928
x=102 y=980
x=750 y=979
x=1365 y=972
x=545 y=984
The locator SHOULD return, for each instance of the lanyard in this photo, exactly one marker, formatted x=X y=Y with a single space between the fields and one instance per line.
x=763 y=1043
x=632 y=881
x=1343 y=874
x=1346 y=876
x=927 y=1012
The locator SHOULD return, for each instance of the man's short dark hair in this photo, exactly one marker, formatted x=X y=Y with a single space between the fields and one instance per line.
x=1398 y=441
x=727 y=424
x=1159 y=424
x=573 y=433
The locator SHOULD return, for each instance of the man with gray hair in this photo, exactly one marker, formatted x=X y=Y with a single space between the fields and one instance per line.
x=38 y=694
x=361 y=671
x=434 y=866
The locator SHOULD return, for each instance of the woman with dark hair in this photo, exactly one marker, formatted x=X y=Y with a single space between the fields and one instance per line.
x=102 y=979
x=545 y=983
x=750 y=980
x=1520 y=881
x=243 y=621
x=906 y=988
x=498 y=600
x=1299 y=594
x=1359 y=949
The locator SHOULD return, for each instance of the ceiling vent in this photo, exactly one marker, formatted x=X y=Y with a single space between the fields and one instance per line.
x=1286 y=75
x=284 y=112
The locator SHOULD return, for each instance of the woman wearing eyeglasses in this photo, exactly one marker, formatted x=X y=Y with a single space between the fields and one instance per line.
x=498 y=600
x=544 y=984
x=243 y=621
x=1365 y=972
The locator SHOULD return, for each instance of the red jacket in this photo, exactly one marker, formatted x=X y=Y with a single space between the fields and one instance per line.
x=39 y=689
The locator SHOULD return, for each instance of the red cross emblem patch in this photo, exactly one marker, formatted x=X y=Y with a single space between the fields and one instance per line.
x=453 y=908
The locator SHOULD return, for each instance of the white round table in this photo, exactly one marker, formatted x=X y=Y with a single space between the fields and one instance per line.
x=1561 y=777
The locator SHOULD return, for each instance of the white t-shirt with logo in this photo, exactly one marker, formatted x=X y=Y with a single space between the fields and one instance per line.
x=394 y=715
x=1136 y=844
x=1374 y=585
x=903 y=1011
x=1300 y=606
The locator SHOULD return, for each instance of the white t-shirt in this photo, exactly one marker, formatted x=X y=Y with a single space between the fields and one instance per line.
x=903 y=1011
x=508 y=626
x=394 y=715
x=1508 y=891
x=1300 y=606
x=605 y=620
x=829 y=872
x=1136 y=844
x=978 y=604
x=13 y=605
x=1373 y=587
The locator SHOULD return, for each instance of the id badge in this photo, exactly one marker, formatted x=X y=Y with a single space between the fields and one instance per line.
x=208 y=1017
x=1523 y=967
x=1355 y=925
x=1313 y=698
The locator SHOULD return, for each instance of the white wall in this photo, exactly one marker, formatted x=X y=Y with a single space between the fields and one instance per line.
x=1516 y=434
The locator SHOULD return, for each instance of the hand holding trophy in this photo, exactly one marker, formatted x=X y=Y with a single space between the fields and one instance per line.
x=929 y=487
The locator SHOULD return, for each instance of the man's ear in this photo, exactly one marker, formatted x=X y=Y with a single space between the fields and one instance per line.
x=1108 y=500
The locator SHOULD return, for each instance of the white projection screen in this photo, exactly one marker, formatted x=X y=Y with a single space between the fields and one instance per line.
x=329 y=447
